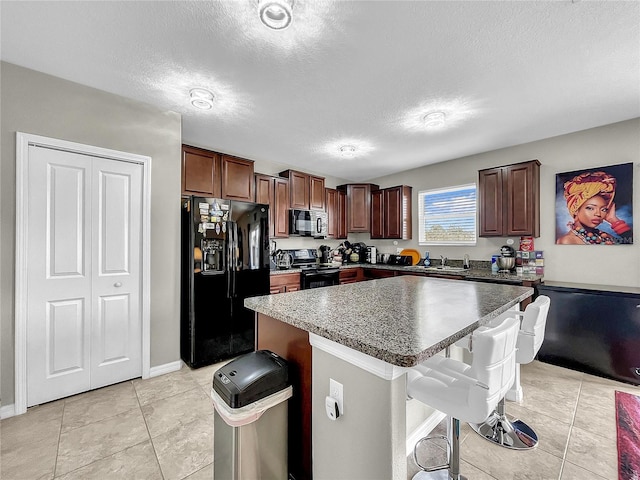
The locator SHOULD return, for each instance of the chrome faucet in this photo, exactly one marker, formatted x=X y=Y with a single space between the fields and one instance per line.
x=443 y=261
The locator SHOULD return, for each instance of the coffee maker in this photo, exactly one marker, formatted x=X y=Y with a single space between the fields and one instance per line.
x=325 y=254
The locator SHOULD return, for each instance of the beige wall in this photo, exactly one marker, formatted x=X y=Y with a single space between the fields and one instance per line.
x=39 y=104
x=608 y=145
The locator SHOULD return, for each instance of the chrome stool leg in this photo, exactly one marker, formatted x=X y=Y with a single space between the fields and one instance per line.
x=504 y=432
x=448 y=471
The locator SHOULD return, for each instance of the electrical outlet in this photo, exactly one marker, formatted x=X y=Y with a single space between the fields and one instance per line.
x=335 y=391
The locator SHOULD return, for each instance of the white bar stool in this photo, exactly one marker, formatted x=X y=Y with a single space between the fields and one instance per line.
x=498 y=428
x=465 y=392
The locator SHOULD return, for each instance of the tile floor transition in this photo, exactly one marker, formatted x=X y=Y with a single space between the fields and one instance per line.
x=162 y=428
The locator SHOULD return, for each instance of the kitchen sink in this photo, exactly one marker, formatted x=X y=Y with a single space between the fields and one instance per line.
x=444 y=269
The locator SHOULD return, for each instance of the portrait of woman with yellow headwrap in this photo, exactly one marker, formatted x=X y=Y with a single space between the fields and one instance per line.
x=594 y=207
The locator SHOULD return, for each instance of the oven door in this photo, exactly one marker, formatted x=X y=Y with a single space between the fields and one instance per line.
x=319 y=278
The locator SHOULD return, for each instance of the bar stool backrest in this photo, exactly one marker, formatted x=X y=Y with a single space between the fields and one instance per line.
x=494 y=362
x=532 y=329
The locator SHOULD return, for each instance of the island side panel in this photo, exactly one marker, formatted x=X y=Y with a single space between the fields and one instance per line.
x=292 y=344
x=369 y=440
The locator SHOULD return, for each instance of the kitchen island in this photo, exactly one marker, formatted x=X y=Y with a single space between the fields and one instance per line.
x=365 y=335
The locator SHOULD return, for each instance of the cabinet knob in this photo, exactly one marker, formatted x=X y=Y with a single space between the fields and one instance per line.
x=117 y=284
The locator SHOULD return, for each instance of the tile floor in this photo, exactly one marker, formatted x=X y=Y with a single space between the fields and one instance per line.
x=162 y=428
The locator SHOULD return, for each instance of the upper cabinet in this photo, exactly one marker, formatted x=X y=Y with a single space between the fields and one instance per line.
x=391 y=213
x=274 y=191
x=200 y=172
x=336 y=204
x=509 y=200
x=358 y=205
x=341 y=228
x=211 y=174
x=237 y=178
x=306 y=191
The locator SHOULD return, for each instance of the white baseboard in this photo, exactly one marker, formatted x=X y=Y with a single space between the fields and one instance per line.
x=166 y=368
x=424 y=429
x=7 y=411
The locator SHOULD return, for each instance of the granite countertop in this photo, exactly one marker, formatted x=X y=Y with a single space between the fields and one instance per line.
x=472 y=274
x=400 y=320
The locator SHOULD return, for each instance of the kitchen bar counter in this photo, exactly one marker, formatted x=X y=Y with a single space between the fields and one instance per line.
x=362 y=335
x=401 y=320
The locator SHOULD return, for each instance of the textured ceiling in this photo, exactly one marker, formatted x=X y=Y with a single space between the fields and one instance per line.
x=348 y=72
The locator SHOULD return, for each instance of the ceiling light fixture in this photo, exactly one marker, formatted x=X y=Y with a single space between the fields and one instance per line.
x=347 y=151
x=434 y=119
x=201 y=98
x=276 y=14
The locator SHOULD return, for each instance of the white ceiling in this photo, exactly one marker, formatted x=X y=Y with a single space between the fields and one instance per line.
x=348 y=72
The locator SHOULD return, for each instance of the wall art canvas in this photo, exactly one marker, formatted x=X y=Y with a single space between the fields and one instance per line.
x=595 y=206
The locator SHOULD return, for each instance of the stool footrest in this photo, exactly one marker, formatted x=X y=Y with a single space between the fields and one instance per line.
x=514 y=434
x=425 y=439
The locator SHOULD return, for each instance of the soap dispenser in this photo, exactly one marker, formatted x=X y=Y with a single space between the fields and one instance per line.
x=465 y=262
x=427 y=260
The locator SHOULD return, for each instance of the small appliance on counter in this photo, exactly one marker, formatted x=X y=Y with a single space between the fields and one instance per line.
x=283 y=259
x=507 y=259
x=404 y=260
x=325 y=254
x=372 y=255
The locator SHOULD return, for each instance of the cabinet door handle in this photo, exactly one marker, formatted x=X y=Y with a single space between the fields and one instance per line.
x=117 y=284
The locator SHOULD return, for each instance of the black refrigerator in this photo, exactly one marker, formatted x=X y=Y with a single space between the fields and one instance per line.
x=225 y=259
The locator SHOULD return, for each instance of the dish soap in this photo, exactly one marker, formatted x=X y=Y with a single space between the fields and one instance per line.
x=427 y=261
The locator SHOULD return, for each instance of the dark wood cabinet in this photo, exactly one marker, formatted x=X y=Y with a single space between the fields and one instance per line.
x=237 y=178
x=200 y=172
x=373 y=273
x=342 y=215
x=306 y=191
x=285 y=282
x=358 y=205
x=391 y=213
x=351 y=275
x=316 y=193
x=509 y=200
x=331 y=203
x=274 y=191
x=377 y=214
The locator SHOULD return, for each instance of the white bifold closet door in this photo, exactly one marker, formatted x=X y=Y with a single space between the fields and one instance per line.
x=84 y=324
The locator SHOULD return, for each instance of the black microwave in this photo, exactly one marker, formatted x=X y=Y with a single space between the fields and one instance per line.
x=308 y=223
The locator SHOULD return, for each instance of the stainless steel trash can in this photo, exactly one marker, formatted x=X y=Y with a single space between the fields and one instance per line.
x=250 y=419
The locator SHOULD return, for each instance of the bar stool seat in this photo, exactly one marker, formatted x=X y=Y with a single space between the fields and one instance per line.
x=498 y=427
x=465 y=392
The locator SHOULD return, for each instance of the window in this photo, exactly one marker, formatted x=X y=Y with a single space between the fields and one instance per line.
x=447 y=216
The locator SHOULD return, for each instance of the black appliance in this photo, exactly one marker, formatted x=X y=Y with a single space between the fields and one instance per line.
x=224 y=259
x=354 y=252
x=312 y=274
x=405 y=260
x=325 y=252
x=251 y=377
x=308 y=223
x=593 y=331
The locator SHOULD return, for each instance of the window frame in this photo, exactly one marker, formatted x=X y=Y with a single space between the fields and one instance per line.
x=423 y=194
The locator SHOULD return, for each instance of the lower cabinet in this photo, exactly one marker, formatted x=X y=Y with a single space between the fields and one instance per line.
x=285 y=282
x=373 y=273
x=350 y=275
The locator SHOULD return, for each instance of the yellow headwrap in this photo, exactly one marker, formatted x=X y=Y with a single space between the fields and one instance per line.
x=586 y=185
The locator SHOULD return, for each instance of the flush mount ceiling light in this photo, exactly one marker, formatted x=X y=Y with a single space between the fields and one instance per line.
x=347 y=151
x=434 y=119
x=276 y=14
x=201 y=98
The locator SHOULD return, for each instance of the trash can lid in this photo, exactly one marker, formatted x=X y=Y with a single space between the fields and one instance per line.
x=251 y=377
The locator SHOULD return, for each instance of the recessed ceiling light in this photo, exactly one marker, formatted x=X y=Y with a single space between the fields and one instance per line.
x=276 y=14
x=201 y=98
x=434 y=119
x=347 y=151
